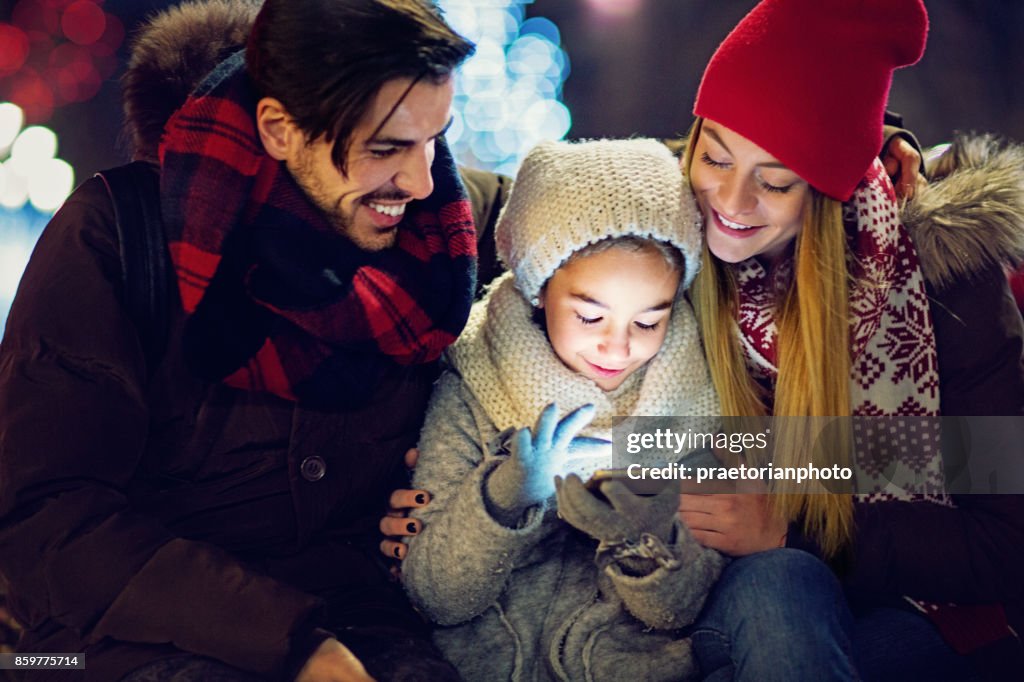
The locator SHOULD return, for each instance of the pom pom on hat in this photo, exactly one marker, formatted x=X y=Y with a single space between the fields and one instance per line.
x=808 y=80
x=569 y=195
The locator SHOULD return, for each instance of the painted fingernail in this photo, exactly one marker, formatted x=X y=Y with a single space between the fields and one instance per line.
x=411 y=527
x=398 y=552
x=421 y=498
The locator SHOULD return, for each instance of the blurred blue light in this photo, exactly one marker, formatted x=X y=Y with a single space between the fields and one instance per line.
x=19 y=231
x=507 y=94
x=542 y=26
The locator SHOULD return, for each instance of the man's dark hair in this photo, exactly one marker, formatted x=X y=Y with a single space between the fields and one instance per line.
x=325 y=60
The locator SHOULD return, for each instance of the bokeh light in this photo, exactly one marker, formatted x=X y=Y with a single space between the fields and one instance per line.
x=34 y=145
x=33 y=184
x=615 y=8
x=11 y=120
x=83 y=22
x=57 y=52
x=508 y=94
x=15 y=52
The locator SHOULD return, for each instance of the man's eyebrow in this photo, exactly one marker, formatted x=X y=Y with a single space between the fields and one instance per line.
x=664 y=305
x=400 y=142
x=714 y=136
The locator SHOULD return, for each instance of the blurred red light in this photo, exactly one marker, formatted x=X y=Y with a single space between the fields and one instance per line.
x=31 y=92
x=83 y=22
x=33 y=15
x=15 y=51
x=113 y=36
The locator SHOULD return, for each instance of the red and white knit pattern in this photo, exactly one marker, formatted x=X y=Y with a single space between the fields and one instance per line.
x=894 y=370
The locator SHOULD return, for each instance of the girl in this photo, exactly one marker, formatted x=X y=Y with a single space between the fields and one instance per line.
x=816 y=300
x=600 y=242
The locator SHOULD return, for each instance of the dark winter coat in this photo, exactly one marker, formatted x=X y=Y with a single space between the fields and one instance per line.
x=965 y=226
x=141 y=516
x=144 y=512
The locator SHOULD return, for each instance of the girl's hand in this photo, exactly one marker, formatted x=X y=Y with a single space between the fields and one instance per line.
x=734 y=524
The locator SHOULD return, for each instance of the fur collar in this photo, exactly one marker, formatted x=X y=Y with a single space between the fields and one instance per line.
x=170 y=55
x=971 y=216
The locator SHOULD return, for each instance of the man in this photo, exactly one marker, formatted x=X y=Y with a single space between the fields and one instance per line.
x=213 y=515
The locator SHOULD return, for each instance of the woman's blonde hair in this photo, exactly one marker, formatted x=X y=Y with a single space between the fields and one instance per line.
x=813 y=361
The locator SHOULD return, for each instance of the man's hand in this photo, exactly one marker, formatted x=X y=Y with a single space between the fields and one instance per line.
x=903 y=166
x=734 y=524
x=396 y=523
x=333 y=662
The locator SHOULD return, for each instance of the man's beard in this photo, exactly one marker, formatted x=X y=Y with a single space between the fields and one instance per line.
x=343 y=222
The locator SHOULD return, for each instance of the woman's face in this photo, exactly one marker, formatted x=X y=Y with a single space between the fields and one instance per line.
x=607 y=313
x=752 y=204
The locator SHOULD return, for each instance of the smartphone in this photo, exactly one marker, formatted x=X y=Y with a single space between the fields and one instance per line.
x=637 y=486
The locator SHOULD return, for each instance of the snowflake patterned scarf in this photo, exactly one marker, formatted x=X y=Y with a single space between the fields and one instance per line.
x=894 y=371
x=276 y=300
x=894 y=365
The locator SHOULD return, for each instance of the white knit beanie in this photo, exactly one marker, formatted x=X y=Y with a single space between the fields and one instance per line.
x=570 y=195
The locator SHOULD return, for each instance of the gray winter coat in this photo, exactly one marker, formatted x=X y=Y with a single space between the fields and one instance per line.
x=534 y=602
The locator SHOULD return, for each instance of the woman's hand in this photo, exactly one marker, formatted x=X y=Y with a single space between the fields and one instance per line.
x=333 y=662
x=903 y=166
x=396 y=523
x=736 y=524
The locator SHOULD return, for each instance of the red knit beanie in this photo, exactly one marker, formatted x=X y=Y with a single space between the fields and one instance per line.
x=808 y=80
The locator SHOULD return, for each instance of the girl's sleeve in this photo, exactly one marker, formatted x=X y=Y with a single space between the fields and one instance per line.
x=460 y=562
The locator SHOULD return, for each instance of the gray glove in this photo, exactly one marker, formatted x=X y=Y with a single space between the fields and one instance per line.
x=636 y=531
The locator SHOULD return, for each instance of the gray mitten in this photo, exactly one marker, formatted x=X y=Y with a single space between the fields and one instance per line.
x=636 y=531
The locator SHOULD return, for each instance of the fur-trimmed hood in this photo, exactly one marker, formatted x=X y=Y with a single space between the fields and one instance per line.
x=170 y=55
x=971 y=216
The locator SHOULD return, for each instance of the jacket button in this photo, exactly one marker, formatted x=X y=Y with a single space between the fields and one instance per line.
x=313 y=468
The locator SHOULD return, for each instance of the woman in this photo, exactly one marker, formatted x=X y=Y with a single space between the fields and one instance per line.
x=813 y=302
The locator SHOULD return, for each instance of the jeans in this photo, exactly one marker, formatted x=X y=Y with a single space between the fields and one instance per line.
x=893 y=644
x=775 y=615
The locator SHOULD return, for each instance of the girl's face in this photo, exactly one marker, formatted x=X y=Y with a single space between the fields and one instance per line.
x=752 y=204
x=607 y=313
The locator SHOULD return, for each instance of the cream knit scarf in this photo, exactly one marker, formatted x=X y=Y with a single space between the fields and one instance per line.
x=508 y=365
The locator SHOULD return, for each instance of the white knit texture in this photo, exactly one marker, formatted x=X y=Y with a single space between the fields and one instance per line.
x=633 y=187
x=509 y=366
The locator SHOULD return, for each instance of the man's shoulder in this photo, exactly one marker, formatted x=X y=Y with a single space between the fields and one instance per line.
x=484 y=181
x=86 y=217
x=91 y=194
x=487 y=191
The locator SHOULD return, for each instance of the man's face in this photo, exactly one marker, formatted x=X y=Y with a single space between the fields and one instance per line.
x=387 y=168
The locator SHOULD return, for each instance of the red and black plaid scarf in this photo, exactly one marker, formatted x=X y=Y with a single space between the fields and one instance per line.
x=276 y=299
